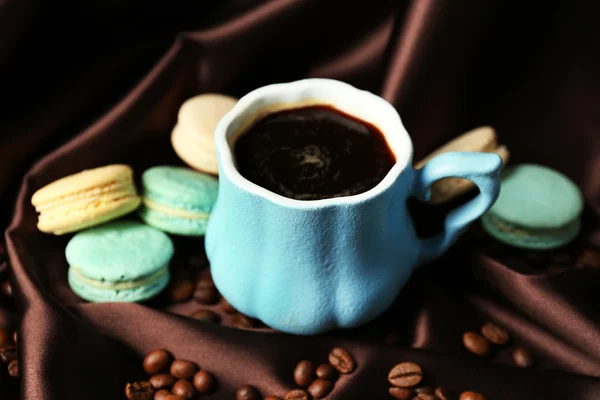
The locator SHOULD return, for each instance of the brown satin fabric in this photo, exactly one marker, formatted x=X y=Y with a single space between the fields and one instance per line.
x=531 y=71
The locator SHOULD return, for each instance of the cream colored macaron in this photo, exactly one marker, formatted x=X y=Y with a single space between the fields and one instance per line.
x=85 y=199
x=482 y=139
x=193 y=135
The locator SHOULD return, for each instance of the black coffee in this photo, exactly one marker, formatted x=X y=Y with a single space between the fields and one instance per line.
x=313 y=153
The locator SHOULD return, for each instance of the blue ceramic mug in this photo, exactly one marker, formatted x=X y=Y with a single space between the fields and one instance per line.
x=306 y=267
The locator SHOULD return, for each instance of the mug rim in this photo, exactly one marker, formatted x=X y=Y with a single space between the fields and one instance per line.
x=401 y=145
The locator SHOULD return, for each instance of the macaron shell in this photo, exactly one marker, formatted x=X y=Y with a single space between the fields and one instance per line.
x=533 y=196
x=119 y=251
x=82 y=181
x=180 y=187
x=201 y=114
x=75 y=219
x=196 y=156
x=97 y=295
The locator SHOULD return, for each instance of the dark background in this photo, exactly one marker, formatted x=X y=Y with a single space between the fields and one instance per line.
x=112 y=76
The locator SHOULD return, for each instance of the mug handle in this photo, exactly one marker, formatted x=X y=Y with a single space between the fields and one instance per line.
x=483 y=169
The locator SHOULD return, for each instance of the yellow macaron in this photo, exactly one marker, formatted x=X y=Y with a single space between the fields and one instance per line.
x=85 y=199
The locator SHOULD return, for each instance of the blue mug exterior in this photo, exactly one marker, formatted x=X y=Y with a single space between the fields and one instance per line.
x=307 y=267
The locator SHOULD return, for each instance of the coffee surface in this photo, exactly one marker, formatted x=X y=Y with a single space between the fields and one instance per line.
x=313 y=153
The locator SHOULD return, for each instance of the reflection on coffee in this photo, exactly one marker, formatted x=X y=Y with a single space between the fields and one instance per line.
x=313 y=153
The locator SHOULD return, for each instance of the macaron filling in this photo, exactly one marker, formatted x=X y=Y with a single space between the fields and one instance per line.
x=101 y=284
x=175 y=209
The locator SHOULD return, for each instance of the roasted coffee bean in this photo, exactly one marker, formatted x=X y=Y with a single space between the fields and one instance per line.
x=162 y=394
x=6 y=289
x=443 y=394
x=13 y=368
x=204 y=381
x=183 y=389
x=471 y=396
x=296 y=395
x=206 y=295
x=157 y=361
x=8 y=354
x=424 y=389
x=242 y=321
x=272 y=398
x=181 y=291
x=589 y=258
x=15 y=337
x=424 y=396
x=207 y=316
x=184 y=369
x=226 y=307
x=139 y=391
x=247 y=392
x=401 y=393
x=476 y=343
x=495 y=334
x=304 y=373
x=405 y=375
x=161 y=381
x=4 y=338
x=174 y=397
x=326 y=371
x=320 y=388
x=522 y=358
x=341 y=360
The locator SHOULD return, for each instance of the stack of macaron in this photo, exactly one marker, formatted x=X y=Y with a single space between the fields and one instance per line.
x=113 y=256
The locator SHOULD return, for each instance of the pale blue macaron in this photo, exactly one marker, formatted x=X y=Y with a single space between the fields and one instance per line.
x=538 y=208
x=178 y=200
x=122 y=261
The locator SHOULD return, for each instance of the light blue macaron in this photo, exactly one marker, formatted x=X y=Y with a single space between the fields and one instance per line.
x=122 y=261
x=538 y=208
x=178 y=200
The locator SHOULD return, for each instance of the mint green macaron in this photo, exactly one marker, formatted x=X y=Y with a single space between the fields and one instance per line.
x=122 y=261
x=178 y=200
x=538 y=208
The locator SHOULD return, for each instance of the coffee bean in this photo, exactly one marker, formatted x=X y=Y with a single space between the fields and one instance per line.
x=326 y=371
x=207 y=316
x=183 y=389
x=247 y=392
x=401 y=393
x=405 y=375
x=589 y=258
x=181 y=291
x=495 y=334
x=4 y=338
x=205 y=281
x=242 y=321
x=443 y=394
x=15 y=337
x=6 y=289
x=522 y=358
x=424 y=389
x=341 y=360
x=320 y=388
x=157 y=361
x=161 y=381
x=206 y=295
x=13 y=368
x=8 y=354
x=272 y=398
x=296 y=395
x=476 y=343
x=139 y=391
x=424 y=396
x=162 y=394
x=174 y=397
x=226 y=307
x=304 y=373
x=184 y=369
x=471 y=396
x=204 y=382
